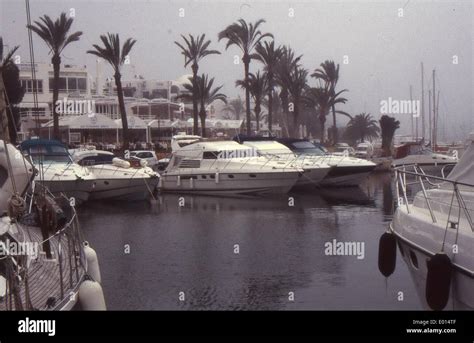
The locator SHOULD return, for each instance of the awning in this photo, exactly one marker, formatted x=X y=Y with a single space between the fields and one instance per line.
x=85 y=121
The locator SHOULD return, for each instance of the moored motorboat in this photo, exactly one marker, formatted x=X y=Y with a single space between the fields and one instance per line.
x=56 y=171
x=226 y=167
x=431 y=163
x=435 y=234
x=315 y=170
x=345 y=171
x=115 y=178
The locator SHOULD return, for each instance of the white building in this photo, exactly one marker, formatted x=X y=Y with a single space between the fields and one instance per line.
x=74 y=83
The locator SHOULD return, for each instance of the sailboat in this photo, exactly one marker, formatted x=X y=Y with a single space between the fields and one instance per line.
x=44 y=262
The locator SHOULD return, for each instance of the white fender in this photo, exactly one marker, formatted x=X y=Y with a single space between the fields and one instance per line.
x=118 y=162
x=91 y=296
x=93 y=268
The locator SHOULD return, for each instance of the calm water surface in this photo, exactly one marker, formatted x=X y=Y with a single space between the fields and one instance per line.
x=191 y=249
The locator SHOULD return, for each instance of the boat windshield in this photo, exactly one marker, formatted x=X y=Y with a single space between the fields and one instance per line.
x=52 y=153
x=98 y=159
x=308 y=148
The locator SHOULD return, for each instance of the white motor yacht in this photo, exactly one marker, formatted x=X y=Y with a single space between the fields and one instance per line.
x=345 y=171
x=115 y=178
x=56 y=170
x=435 y=233
x=226 y=167
x=315 y=170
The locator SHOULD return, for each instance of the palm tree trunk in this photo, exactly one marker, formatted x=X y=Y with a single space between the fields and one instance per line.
x=202 y=115
x=123 y=114
x=322 y=121
x=296 y=110
x=334 y=131
x=247 y=95
x=284 y=104
x=195 y=69
x=257 y=115
x=270 y=110
x=56 y=61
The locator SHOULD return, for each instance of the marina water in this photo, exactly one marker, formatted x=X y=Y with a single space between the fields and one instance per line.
x=264 y=253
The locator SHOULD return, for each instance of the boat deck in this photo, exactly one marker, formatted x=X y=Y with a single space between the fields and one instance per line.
x=44 y=276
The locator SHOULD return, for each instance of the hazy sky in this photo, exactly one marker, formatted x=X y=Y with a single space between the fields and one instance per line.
x=384 y=50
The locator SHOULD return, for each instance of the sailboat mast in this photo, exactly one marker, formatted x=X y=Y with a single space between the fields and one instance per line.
x=422 y=102
x=434 y=112
x=429 y=119
x=4 y=129
x=412 y=119
x=437 y=117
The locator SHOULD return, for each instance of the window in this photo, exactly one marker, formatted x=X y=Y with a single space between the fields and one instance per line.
x=82 y=84
x=72 y=83
x=210 y=155
x=31 y=86
x=69 y=84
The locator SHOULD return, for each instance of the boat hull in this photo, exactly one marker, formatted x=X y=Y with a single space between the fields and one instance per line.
x=124 y=189
x=312 y=177
x=230 y=183
x=419 y=240
x=347 y=176
x=78 y=189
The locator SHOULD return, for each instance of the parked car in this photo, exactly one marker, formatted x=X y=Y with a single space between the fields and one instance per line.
x=364 y=150
x=148 y=156
x=163 y=163
x=343 y=149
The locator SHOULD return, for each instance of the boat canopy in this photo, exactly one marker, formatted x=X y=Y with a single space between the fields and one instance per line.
x=464 y=169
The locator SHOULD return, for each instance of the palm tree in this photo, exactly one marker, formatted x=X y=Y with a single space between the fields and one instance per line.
x=194 y=50
x=286 y=65
x=329 y=73
x=112 y=53
x=388 y=126
x=362 y=127
x=236 y=107
x=246 y=37
x=258 y=87
x=296 y=86
x=206 y=96
x=269 y=56
x=11 y=93
x=322 y=101
x=56 y=36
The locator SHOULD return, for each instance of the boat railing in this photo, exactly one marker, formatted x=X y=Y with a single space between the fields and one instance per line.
x=424 y=181
x=68 y=257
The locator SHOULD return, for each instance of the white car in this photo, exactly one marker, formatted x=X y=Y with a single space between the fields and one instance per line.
x=364 y=150
x=146 y=155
